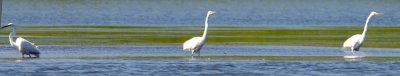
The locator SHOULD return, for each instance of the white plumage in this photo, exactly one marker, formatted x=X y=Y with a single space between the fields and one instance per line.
x=356 y=41
x=27 y=47
x=195 y=44
x=21 y=44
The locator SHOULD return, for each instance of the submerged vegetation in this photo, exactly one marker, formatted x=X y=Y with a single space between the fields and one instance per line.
x=331 y=36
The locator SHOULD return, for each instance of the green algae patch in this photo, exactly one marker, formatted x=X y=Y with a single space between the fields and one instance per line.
x=326 y=36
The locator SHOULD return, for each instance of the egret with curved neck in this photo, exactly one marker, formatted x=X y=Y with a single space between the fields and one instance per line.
x=12 y=34
x=195 y=44
x=22 y=45
x=206 y=24
x=356 y=41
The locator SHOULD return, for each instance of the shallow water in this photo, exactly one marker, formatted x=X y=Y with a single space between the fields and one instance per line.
x=161 y=67
x=55 y=60
x=65 y=60
x=104 y=51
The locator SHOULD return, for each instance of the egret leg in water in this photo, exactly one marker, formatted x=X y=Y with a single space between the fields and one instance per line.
x=22 y=45
x=356 y=41
x=196 y=43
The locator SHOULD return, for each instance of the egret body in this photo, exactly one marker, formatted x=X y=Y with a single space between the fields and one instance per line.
x=356 y=41
x=195 y=44
x=21 y=44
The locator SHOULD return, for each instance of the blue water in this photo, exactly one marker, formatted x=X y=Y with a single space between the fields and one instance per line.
x=192 y=12
x=56 y=60
x=162 y=67
x=110 y=51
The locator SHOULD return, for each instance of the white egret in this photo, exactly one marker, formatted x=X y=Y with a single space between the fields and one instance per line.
x=22 y=45
x=196 y=43
x=356 y=41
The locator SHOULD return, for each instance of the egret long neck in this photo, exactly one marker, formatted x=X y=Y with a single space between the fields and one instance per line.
x=205 y=27
x=12 y=34
x=366 y=25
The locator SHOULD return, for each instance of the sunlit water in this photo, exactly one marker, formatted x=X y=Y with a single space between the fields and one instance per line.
x=55 y=61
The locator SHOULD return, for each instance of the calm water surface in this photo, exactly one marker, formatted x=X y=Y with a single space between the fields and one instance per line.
x=104 y=51
x=162 y=67
x=192 y=12
x=55 y=60
x=48 y=65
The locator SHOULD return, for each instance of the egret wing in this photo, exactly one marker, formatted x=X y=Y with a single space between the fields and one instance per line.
x=192 y=43
x=352 y=41
x=28 y=46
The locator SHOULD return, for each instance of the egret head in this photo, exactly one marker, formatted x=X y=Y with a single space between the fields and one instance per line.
x=376 y=13
x=8 y=25
x=210 y=12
